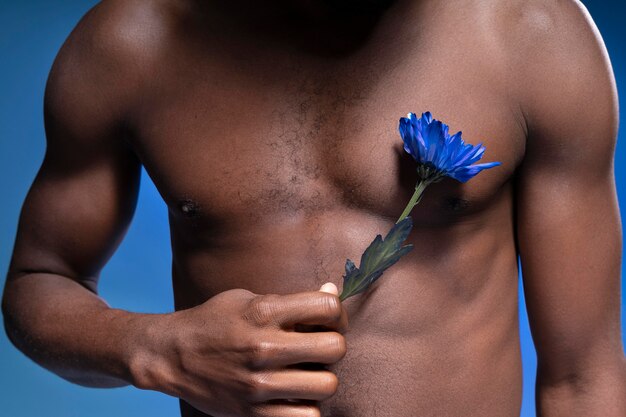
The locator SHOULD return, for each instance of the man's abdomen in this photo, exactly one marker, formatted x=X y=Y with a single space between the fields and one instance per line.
x=466 y=364
x=436 y=336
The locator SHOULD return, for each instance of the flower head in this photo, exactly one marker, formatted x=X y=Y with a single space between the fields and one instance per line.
x=437 y=153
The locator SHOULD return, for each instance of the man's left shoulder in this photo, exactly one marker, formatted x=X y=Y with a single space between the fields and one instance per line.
x=537 y=41
x=537 y=18
x=559 y=72
x=539 y=28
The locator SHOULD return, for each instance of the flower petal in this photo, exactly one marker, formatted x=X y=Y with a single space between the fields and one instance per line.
x=429 y=142
x=465 y=173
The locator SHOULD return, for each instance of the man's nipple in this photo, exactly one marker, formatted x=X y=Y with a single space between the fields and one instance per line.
x=189 y=208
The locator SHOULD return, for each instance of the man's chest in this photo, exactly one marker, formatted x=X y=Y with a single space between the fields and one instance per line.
x=259 y=137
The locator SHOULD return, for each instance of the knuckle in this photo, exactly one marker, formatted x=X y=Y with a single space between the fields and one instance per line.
x=337 y=344
x=261 y=310
x=258 y=386
x=262 y=352
x=330 y=384
x=242 y=293
x=331 y=306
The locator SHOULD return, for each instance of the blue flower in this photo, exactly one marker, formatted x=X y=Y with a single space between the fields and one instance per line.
x=437 y=153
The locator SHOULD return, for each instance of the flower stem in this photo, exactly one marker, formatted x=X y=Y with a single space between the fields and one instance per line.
x=417 y=195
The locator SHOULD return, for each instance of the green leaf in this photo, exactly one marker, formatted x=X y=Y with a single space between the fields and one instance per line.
x=379 y=255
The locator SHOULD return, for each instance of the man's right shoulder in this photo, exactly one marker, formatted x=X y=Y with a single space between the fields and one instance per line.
x=108 y=56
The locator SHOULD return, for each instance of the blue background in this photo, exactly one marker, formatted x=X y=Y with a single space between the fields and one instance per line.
x=138 y=276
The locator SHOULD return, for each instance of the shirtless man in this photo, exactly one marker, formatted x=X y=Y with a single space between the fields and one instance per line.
x=269 y=129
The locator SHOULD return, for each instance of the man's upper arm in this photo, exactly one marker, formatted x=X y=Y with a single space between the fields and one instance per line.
x=85 y=192
x=569 y=231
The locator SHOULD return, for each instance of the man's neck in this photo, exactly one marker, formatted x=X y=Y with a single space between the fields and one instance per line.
x=324 y=27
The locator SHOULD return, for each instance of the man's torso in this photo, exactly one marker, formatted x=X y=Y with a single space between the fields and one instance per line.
x=278 y=162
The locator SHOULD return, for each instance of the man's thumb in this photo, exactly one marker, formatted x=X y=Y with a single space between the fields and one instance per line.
x=330 y=288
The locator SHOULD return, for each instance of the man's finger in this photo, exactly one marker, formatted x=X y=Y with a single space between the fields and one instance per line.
x=295 y=384
x=314 y=308
x=286 y=409
x=293 y=348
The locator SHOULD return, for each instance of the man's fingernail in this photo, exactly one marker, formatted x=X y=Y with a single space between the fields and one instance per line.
x=330 y=288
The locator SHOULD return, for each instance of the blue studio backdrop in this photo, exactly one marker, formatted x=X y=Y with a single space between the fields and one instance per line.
x=138 y=276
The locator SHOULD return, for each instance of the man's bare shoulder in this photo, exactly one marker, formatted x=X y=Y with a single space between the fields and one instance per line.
x=101 y=69
x=559 y=71
x=124 y=33
x=538 y=27
x=527 y=31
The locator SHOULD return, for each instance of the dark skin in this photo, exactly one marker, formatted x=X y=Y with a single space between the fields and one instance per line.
x=270 y=132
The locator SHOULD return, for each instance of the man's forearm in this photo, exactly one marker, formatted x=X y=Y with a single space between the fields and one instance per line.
x=601 y=392
x=71 y=331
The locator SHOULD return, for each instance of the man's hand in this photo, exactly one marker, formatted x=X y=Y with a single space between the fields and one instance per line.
x=235 y=355
x=238 y=353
